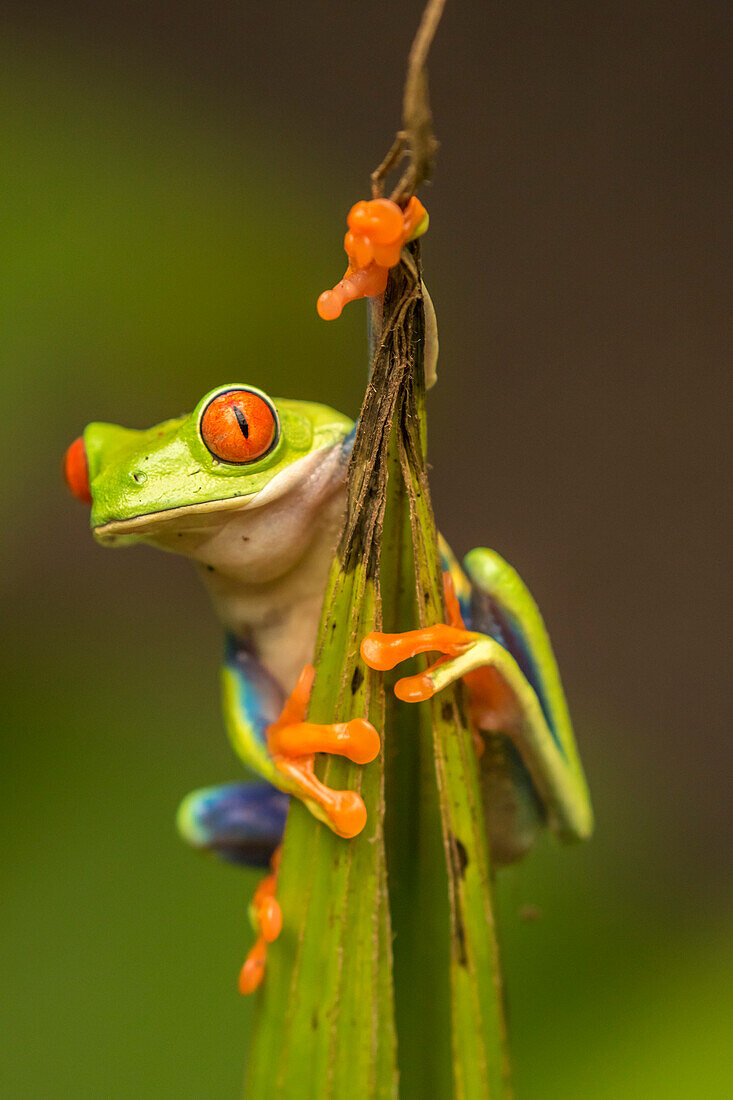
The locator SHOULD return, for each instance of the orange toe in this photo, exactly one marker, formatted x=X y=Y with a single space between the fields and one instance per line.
x=366 y=282
x=364 y=741
x=381 y=651
x=252 y=973
x=270 y=919
x=384 y=651
x=347 y=813
x=414 y=689
x=357 y=740
x=330 y=304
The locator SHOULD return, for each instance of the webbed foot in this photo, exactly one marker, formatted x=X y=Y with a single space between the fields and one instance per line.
x=267 y=921
x=292 y=743
x=386 y=651
x=466 y=654
x=377 y=230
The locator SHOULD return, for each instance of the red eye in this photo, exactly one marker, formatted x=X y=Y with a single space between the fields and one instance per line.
x=238 y=426
x=76 y=471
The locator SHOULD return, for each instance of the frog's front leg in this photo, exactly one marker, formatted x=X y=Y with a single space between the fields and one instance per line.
x=292 y=743
x=280 y=744
x=244 y=822
x=513 y=682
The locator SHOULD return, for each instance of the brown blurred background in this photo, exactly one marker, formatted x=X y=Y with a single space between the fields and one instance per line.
x=177 y=177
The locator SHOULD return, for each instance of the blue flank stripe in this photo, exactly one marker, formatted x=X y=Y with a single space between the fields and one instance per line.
x=259 y=696
x=509 y=632
x=347 y=443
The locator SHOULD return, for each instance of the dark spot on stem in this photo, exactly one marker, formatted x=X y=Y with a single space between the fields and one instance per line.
x=459 y=862
x=356 y=680
x=446 y=711
x=460 y=855
x=461 y=939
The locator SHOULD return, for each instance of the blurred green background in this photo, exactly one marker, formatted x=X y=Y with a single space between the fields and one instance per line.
x=174 y=181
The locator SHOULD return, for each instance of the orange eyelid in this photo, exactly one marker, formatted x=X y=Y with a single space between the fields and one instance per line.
x=377 y=231
x=239 y=426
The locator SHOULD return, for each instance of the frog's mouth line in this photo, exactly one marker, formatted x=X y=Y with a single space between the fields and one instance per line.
x=326 y=463
x=153 y=521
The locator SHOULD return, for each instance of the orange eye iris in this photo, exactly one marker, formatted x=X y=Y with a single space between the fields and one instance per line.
x=238 y=426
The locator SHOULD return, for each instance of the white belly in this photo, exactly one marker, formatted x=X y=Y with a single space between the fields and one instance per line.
x=266 y=570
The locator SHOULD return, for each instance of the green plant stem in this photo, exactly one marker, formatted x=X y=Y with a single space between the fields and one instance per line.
x=339 y=1016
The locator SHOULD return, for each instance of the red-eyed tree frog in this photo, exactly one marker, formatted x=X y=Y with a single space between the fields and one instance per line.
x=253 y=490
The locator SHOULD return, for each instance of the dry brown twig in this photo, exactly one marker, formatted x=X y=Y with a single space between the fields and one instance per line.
x=416 y=139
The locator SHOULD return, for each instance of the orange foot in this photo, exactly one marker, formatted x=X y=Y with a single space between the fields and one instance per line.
x=466 y=655
x=267 y=920
x=377 y=231
x=385 y=651
x=292 y=743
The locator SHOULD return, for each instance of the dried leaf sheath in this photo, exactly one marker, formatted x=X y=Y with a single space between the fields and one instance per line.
x=334 y=999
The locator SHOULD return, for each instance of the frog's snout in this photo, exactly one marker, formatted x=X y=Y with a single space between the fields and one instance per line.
x=76 y=471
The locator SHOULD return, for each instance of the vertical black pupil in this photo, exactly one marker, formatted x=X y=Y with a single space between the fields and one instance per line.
x=242 y=421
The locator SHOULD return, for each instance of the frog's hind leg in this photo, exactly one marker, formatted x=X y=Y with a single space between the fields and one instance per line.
x=243 y=823
x=278 y=743
x=503 y=608
x=511 y=673
x=292 y=743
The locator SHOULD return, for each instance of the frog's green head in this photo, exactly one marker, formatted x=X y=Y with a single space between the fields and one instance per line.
x=237 y=449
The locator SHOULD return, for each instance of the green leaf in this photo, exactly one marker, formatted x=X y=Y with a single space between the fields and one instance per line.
x=385 y=979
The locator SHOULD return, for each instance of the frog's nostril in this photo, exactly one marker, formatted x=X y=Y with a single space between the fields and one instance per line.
x=76 y=471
